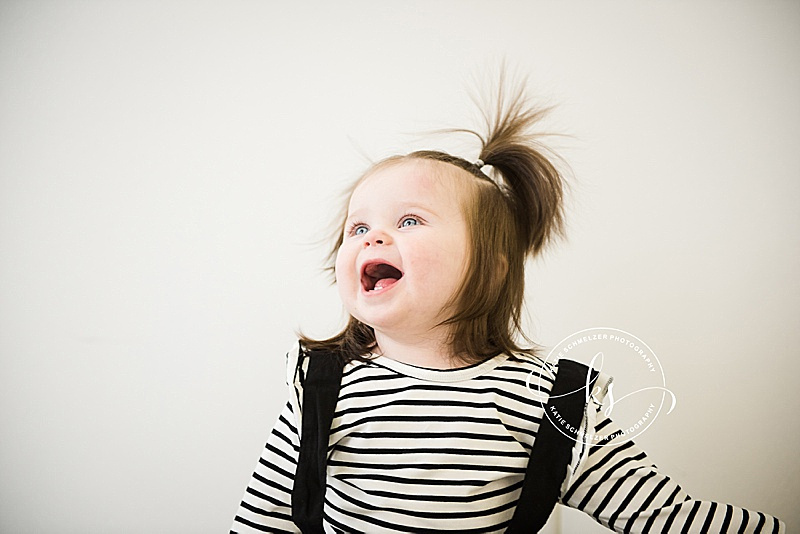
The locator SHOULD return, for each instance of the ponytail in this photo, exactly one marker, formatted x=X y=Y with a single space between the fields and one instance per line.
x=534 y=187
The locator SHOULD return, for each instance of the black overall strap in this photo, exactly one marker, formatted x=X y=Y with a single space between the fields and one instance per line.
x=320 y=394
x=552 y=449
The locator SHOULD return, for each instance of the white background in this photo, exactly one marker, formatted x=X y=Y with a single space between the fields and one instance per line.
x=167 y=169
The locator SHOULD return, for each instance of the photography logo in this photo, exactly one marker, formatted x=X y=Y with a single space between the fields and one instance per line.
x=633 y=405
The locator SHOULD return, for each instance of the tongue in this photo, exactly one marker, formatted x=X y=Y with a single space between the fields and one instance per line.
x=384 y=283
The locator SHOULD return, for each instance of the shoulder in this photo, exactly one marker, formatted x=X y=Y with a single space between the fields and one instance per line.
x=299 y=367
x=534 y=368
x=575 y=374
x=299 y=364
x=294 y=362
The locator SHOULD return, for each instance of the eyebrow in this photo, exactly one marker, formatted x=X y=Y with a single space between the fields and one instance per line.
x=410 y=207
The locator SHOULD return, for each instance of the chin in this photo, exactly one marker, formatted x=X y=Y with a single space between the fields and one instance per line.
x=377 y=323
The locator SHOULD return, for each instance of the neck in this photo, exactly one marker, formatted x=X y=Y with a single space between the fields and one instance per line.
x=432 y=353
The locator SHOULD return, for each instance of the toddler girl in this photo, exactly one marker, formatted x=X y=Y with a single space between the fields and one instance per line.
x=436 y=413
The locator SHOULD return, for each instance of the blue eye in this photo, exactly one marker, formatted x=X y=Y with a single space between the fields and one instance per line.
x=409 y=221
x=360 y=230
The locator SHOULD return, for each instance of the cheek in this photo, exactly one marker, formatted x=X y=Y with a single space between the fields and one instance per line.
x=442 y=267
x=453 y=265
x=454 y=256
x=338 y=267
x=344 y=269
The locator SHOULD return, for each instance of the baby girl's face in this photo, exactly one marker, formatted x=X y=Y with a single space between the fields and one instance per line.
x=405 y=248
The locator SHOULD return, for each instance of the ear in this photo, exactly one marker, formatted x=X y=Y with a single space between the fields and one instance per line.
x=501 y=270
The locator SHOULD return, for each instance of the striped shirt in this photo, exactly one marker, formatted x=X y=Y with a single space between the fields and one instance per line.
x=423 y=450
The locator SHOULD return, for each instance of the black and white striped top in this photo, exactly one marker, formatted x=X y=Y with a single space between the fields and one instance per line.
x=422 y=450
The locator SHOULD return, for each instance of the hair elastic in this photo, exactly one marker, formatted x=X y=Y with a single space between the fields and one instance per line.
x=479 y=163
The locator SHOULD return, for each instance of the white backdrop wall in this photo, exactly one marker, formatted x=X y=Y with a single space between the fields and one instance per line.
x=166 y=169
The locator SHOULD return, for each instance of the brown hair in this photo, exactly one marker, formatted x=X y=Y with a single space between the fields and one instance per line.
x=511 y=215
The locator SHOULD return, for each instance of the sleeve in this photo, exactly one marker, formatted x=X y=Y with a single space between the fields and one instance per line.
x=618 y=485
x=267 y=502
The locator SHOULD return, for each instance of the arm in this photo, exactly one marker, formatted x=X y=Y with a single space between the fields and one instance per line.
x=266 y=505
x=267 y=502
x=623 y=490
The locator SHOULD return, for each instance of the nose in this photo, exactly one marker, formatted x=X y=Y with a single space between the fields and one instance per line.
x=377 y=237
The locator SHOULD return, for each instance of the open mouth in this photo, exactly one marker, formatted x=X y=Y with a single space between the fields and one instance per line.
x=379 y=275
